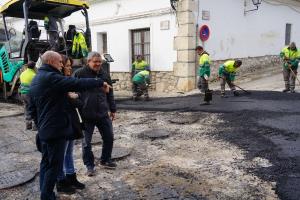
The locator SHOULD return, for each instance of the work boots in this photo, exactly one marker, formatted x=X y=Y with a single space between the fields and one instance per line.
x=146 y=98
x=286 y=90
x=236 y=93
x=65 y=187
x=28 y=125
x=223 y=95
x=72 y=180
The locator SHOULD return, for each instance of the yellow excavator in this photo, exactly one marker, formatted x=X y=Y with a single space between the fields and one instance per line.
x=18 y=48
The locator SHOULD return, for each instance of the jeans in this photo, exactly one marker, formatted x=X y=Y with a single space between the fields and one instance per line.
x=51 y=164
x=104 y=126
x=68 y=166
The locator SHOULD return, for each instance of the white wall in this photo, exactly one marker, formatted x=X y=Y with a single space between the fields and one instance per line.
x=119 y=46
x=112 y=8
x=258 y=33
x=108 y=16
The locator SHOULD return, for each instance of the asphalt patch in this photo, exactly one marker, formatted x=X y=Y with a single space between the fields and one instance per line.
x=155 y=134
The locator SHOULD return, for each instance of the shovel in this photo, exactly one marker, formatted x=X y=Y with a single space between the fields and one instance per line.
x=247 y=92
x=294 y=74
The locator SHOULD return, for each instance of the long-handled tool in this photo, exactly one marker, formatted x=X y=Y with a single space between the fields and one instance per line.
x=294 y=74
x=247 y=92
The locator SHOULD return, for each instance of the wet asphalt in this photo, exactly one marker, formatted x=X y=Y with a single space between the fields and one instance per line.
x=264 y=124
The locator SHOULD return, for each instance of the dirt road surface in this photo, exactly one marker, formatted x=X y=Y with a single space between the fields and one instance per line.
x=245 y=147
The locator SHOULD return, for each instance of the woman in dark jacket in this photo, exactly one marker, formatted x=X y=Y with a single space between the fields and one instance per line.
x=67 y=181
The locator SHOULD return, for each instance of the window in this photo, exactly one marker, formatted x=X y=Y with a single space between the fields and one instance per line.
x=288 y=30
x=102 y=42
x=141 y=44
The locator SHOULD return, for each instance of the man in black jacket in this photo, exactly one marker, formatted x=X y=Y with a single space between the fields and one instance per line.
x=97 y=104
x=48 y=108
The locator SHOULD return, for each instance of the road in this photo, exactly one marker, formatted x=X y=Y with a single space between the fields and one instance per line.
x=245 y=147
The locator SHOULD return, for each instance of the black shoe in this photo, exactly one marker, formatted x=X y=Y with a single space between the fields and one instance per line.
x=147 y=98
x=28 y=125
x=90 y=172
x=72 y=179
x=292 y=91
x=286 y=90
x=34 y=128
x=64 y=187
x=236 y=94
x=135 y=98
x=108 y=164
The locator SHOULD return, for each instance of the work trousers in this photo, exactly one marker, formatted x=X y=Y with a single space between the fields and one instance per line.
x=202 y=84
x=26 y=100
x=105 y=128
x=223 y=80
x=140 y=89
x=289 y=78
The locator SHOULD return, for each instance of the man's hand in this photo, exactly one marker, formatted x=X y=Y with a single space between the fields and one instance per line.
x=112 y=116
x=73 y=95
x=218 y=78
x=106 y=87
x=206 y=77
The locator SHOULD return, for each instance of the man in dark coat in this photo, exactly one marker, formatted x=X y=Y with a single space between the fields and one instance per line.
x=98 y=110
x=48 y=107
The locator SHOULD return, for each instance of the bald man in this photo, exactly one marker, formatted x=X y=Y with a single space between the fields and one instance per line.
x=48 y=108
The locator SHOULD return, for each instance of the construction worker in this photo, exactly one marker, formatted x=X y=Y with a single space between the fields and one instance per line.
x=50 y=24
x=291 y=57
x=141 y=82
x=79 y=48
x=139 y=65
x=204 y=69
x=26 y=79
x=227 y=73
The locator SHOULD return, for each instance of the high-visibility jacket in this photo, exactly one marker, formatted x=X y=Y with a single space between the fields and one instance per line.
x=79 y=48
x=290 y=57
x=228 y=69
x=139 y=66
x=204 y=65
x=26 y=79
x=143 y=77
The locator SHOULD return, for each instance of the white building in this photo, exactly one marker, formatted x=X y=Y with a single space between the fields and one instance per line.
x=125 y=28
x=167 y=38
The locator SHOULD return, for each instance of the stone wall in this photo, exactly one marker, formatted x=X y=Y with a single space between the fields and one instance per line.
x=160 y=81
x=168 y=82
x=250 y=65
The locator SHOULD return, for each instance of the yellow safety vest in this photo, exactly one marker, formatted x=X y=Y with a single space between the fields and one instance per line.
x=229 y=66
x=27 y=76
x=289 y=54
x=79 y=43
x=204 y=58
x=26 y=79
x=139 y=65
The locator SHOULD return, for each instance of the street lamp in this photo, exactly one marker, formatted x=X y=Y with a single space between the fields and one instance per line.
x=255 y=3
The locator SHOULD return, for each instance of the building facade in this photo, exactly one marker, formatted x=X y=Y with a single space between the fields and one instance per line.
x=167 y=37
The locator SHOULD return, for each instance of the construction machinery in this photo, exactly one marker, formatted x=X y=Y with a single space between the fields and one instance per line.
x=19 y=48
